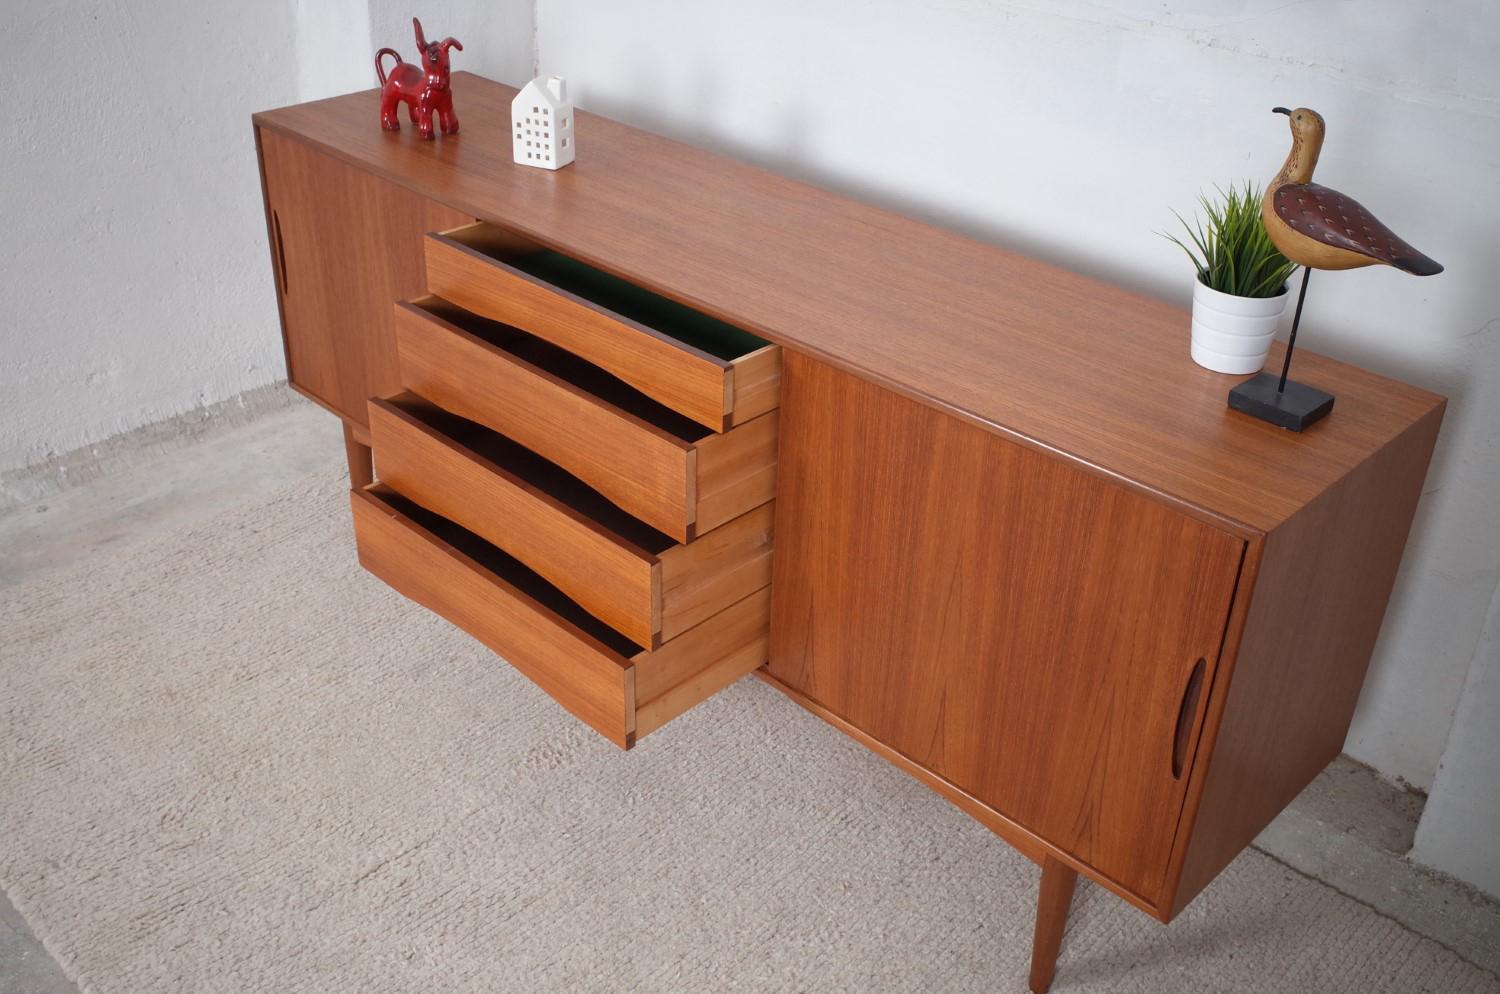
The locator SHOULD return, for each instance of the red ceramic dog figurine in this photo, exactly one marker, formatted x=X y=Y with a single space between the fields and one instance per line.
x=424 y=88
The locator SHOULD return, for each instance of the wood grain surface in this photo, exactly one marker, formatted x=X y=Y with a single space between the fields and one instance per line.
x=526 y=507
x=344 y=245
x=670 y=472
x=736 y=471
x=484 y=375
x=629 y=575
x=622 y=691
x=1030 y=350
x=685 y=379
x=756 y=385
x=716 y=569
x=1019 y=838
x=702 y=661
x=360 y=459
x=1283 y=704
x=499 y=606
x=1054 y=897
x=1024 y=630
x=1024 y=549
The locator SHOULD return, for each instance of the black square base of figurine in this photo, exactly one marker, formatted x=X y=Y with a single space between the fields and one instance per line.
x=1294 y=408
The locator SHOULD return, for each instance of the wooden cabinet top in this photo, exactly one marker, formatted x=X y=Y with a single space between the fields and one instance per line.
x=1095 y=373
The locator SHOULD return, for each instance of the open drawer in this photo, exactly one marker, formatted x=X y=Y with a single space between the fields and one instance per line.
x=624 y=572
x=712 y=372
x=658 y=466
x=622 y=691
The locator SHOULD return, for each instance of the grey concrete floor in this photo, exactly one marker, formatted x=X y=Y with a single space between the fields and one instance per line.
x=164 y=488
x=1352 y=830
x=25 y=967
x=1349 y=828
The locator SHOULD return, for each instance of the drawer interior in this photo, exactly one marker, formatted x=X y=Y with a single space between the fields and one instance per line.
x=511 y=570
x=624 y=298
x=533 y=470
x=565 y=366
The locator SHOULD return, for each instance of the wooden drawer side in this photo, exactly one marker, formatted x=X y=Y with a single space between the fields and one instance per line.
x=736 y=471
x=755 y=384
x=702 y=661
x=717 y=569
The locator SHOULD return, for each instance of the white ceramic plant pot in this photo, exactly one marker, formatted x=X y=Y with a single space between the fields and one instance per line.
x=1233 y=334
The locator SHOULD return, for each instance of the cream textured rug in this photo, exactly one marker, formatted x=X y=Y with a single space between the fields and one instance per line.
x=232 y=761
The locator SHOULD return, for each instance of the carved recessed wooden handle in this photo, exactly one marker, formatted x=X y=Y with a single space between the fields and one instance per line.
x=1185 y=712
x=280 y=251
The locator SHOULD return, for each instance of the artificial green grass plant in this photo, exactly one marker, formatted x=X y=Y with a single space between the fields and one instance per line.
x=1233 y=252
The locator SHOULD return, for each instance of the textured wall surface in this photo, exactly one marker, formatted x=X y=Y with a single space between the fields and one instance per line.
x=136 y=278
x=1067 y=130
x=138 y=285
x=1460 y=829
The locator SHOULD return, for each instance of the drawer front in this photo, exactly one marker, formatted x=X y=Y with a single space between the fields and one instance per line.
x=468 y=267
x=592 y=680
x=669 y=472
x=595 y=673
x=507 y=504
x=646 y=470
x=630 y=576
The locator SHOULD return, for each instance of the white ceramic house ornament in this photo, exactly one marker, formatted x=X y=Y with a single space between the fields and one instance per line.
x=542 y=122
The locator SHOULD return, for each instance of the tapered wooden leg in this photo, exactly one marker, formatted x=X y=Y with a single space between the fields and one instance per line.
x=361 y=460
x=1051 y=916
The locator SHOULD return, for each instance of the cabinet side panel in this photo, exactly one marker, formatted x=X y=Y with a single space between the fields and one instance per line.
x=1319 y=597
x=1021 y=629
x=346 y=245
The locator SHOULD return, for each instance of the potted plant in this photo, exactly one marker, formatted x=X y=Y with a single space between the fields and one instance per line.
x=1241 y=290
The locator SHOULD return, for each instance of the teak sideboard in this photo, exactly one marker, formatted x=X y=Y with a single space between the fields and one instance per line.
x=1022 y=549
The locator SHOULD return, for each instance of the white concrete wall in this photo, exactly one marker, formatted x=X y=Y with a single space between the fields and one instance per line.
x=137 y=282
x=1460 y=829
x=1068 y=129
x=134 y=257
x=497 y=35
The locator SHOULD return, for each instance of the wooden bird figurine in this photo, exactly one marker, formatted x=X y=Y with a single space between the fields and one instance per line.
x=1322 y=228
x=1317 y=228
